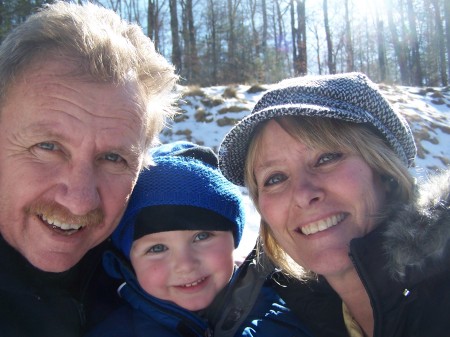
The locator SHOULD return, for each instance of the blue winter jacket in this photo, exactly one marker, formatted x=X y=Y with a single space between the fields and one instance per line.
x=260 y=312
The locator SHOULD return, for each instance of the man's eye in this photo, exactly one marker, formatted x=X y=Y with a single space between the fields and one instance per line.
x=329 y=157
x=275 y=179
x=202 y=236
x=114 y=157
x=159 y=248
x=47 y=146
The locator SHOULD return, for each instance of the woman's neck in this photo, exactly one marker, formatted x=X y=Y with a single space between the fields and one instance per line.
x=352 y=292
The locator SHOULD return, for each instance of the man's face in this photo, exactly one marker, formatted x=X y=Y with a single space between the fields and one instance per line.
x=70 y=152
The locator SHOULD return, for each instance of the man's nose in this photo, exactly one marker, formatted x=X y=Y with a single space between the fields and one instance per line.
x=78 y=190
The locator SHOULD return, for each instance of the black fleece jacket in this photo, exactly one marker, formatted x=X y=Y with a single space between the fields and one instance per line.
x=404 y=265
x=34 y=303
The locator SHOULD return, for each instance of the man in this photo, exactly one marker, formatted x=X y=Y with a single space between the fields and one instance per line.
x=83 y=95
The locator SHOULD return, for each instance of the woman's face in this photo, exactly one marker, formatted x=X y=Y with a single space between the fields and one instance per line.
x=315 y=201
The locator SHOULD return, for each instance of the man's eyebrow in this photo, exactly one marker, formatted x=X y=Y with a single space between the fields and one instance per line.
x=48 y=129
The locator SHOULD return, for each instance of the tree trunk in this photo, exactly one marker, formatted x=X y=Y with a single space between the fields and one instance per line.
x=440 y=46
x=193 y=56
x=416 y=68
x=256 y=51
x=176 y=51
x=447 y=33
x=231 y=43
x=301 y=38
x=348 y=41
x=294 y=39
x=153 y=22
x=381 y=48
x=398 y=47
x=264 y=40
x=331 y=61
x=212 y=20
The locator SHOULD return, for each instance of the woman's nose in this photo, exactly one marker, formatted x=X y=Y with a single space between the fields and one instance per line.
x=308 y=190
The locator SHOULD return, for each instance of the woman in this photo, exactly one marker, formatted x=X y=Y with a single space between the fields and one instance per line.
x=326 y=162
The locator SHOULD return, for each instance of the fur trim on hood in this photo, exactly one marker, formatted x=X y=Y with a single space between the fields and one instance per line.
x=417 y=238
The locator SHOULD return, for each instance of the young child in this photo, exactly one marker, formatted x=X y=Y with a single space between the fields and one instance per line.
x=175 y=246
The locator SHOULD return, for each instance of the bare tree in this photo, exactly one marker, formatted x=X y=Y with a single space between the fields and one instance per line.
x=302 y=66
x=213 y=43
x=256 y=43
x=408 y=42
x=264 y=39
x=416 y=68
x=381 y=47
x=294 y=37
x=232 y=41
x=330 y=57
x=154 y=21
x=399 y=47
x=282 y=58
x=299 y=56
x=190 y=43
x=176 y=50
x=447 y=33
x=348 y=40
x=440 y=46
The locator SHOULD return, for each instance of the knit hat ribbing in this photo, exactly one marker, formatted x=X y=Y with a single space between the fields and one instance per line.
x=183 y=174
x=351 y=97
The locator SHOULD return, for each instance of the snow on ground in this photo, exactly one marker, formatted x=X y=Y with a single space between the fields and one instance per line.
x=207 y=114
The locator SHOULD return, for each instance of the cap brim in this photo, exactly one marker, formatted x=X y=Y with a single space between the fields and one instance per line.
x=234 y=147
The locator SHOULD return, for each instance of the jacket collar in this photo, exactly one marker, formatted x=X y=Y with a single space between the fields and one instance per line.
x=414 y=240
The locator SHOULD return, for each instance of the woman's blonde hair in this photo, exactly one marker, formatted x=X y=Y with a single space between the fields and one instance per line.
x=328 y=134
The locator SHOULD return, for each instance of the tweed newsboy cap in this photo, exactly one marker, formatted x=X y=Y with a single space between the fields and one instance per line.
x=351 y=97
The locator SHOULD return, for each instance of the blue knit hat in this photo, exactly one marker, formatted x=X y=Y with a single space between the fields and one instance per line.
x=183 y=190
x=350 y=97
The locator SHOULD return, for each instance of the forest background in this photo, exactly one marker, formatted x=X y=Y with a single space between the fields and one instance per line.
x=218 y=42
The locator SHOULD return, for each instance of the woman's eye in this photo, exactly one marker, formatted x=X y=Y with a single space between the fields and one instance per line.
x=329 y=157
x=159 y=248
x=202 y=236
x=275 y=179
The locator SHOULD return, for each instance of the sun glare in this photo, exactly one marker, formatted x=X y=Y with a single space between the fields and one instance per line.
x=368 y=8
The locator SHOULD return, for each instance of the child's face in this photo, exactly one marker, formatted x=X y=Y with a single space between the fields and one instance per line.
x=188 y=268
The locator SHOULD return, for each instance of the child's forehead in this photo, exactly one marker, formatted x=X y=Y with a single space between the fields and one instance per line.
x=170 y=235
x=173 y=236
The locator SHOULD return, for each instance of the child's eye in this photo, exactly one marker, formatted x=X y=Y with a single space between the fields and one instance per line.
x=159 y=248
x=275 y=179
x=329 y=157
x=202 y=236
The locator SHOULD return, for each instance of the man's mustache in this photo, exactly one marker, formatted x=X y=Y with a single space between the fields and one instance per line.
x=55 y=211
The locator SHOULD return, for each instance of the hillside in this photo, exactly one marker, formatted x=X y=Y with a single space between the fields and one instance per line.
x=208 y=113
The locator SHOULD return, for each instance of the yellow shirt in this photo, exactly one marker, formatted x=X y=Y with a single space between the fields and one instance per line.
x=353 y=328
